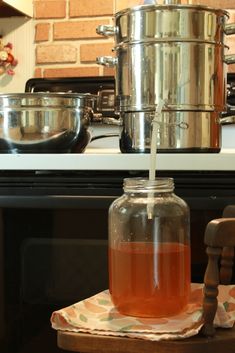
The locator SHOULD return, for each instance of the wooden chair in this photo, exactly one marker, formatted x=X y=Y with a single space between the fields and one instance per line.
x=220 y=242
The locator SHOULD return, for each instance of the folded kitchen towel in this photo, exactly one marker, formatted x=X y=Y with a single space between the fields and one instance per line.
x=97 y=315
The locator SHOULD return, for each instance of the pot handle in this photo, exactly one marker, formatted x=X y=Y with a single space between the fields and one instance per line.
x=106 y=30
x=106 y=61
x=229 y=28
x=112 y=121
x=229 y=59
x=227 y=120
x=107 y=120
x=230 y=119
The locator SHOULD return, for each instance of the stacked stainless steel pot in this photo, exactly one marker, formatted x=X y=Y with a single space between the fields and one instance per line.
x=174 y=53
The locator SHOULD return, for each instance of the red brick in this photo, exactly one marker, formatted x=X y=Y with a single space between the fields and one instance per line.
x=109 y=71
x=42 y=31
x=38 y=72
x=230 y=41
x=71 y=72
x=89 y=52
x=55 y=54
x=123 y=4
x=77 y=30
x=81 y=8
x=231 y=68
x=231 y=16
x=49 y=9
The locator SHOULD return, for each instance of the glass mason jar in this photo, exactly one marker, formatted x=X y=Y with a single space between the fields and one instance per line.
x=149 y=249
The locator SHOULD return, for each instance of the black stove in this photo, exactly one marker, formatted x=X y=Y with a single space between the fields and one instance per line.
x=102 y=86
x=231 y=94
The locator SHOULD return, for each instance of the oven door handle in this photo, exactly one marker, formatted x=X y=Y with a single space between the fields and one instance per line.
x=57 y=201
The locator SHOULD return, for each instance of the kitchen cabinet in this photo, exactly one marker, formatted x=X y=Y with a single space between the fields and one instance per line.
x=16 y=8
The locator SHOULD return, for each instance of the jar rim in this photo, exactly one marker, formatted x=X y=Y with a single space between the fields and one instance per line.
x=140 y=184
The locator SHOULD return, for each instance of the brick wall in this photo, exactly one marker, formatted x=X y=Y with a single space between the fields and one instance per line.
x=66 y=40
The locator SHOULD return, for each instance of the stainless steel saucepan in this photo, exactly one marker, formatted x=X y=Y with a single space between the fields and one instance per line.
x=45 y=122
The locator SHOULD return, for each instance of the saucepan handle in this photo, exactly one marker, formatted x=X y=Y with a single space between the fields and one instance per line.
x=227 y=120
x=229 y=28
x=229 y=59
x=112 y=121
x=108 y=121
x=230 y=119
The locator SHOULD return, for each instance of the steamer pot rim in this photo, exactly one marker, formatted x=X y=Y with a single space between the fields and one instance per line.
x=170 y=7
x=129 y=44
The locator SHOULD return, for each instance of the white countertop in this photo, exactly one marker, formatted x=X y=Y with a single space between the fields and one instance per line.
x=113 y=159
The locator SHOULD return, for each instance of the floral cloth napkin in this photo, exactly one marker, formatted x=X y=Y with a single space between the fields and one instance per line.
x=97 y=315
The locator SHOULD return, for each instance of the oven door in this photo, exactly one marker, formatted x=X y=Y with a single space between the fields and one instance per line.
x=53 y=252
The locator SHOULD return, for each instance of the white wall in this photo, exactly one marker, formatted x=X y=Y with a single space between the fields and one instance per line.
x=20 y=32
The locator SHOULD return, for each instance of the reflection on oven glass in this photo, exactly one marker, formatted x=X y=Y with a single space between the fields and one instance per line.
x=52 y=259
